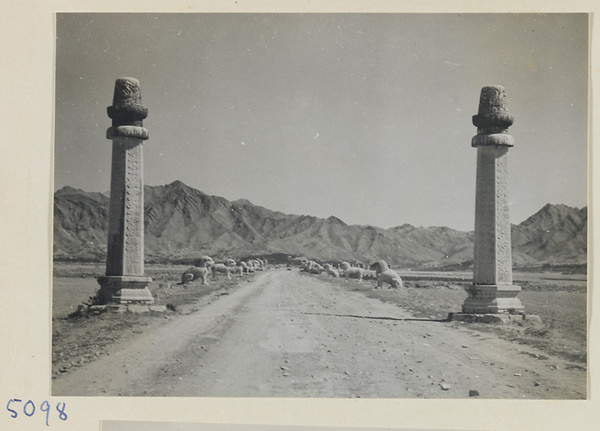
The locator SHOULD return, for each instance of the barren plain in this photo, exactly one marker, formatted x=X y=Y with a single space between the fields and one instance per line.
x=285 y=333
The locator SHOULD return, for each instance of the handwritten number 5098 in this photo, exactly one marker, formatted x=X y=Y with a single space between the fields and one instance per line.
x=29 y=409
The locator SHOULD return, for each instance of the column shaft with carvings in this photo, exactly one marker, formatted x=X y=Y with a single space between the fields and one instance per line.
x=124 y=281
x=492 y=291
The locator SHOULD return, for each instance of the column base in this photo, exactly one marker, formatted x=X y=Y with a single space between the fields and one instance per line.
x=517 y=319
x=492 y=299
x=125 y=290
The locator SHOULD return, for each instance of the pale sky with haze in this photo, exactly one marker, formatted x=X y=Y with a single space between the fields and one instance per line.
x=363 y=116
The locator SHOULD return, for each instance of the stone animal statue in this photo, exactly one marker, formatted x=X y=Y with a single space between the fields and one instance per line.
x=234 y=267
x=331 y=271
x=188 y=276
x=200 y=270
x=315 y=268
x=252 y=265
x=386 y=275
x=352 y=271
x=312 y=267
x=246 y=268
x=223 y=268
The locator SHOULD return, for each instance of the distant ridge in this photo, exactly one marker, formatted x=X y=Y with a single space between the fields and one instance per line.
x=555 y=234
x=182 y=223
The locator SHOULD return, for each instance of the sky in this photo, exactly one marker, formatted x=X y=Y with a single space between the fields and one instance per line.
x=367 y=117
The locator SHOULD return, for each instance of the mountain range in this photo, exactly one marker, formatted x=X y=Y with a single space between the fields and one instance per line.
x=182 y=223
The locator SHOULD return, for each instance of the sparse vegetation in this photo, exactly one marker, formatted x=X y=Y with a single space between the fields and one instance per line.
x=560 y=302
x=79 y=338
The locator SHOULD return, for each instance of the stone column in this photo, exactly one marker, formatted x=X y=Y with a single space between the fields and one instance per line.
x=492 y=291
x=124 y=281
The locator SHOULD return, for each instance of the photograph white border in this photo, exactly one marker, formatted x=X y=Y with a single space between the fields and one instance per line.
x=27 y=32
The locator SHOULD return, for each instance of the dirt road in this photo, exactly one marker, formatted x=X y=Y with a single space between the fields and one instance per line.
x=287 y=334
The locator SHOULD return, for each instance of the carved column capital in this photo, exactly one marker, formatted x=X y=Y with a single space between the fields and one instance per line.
x=492 y=116
x=127 y=112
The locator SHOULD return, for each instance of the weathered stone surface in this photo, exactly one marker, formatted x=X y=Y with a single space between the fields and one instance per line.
x=96 y=309
x=492 y=299
x=494 y=318
x=125 y=289
x=492 y=290
x=127 y=108
x=516 y=319
x=116 y=308
x=137 y=309
x=124 y=281
x=492 y=116
x=125 y=252
x=492 y=140
x=127 y=132
x=492 y=254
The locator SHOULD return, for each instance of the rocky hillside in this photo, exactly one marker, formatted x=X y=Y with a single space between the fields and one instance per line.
x=182 y=223
x=556 y=234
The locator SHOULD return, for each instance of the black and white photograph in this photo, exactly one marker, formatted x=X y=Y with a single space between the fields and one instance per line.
x=321 y=205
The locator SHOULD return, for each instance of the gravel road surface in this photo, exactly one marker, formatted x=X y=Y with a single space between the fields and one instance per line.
x=287 y=334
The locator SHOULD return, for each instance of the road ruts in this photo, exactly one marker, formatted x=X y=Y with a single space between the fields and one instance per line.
x=289 y=334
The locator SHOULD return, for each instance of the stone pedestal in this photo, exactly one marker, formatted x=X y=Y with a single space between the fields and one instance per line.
x=125 y=290
x=124 y=281
x=493 y=290
x=492 y=299
x=525 y=321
